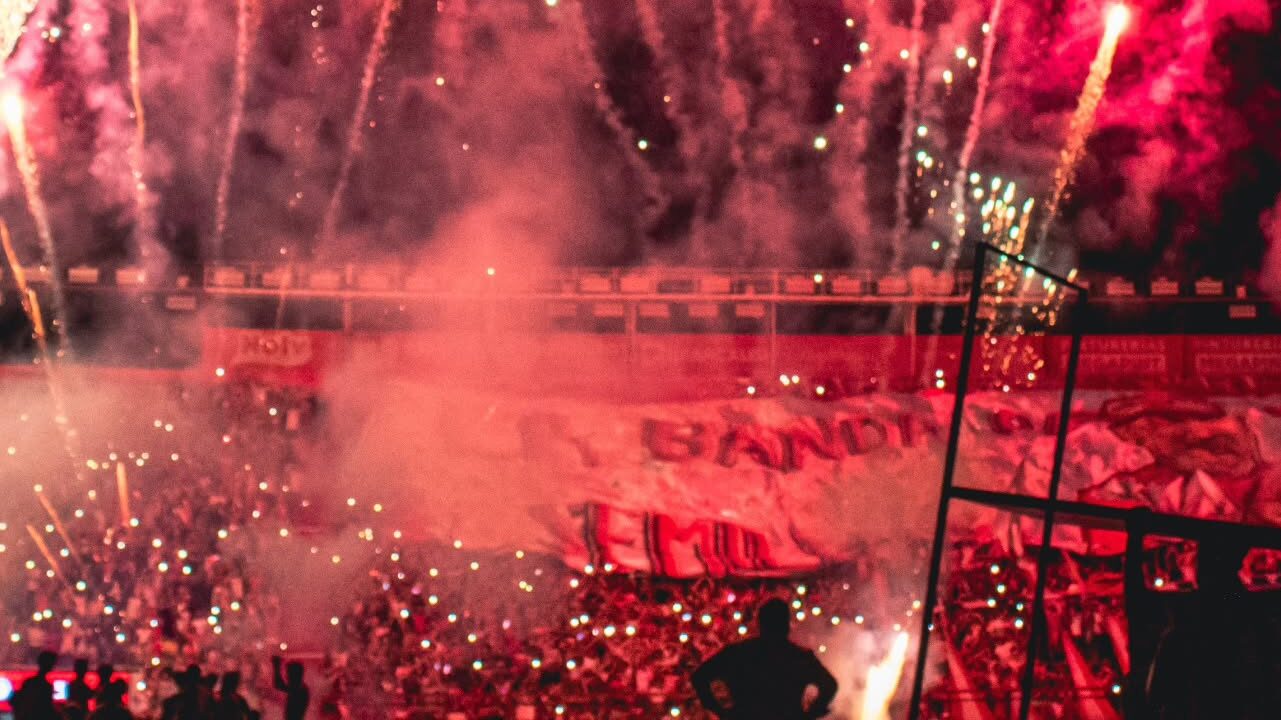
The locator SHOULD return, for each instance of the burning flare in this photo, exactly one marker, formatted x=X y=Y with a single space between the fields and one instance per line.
x=883 y=679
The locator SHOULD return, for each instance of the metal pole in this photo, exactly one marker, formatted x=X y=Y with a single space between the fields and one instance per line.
x=1047 y=528
x=949 y=467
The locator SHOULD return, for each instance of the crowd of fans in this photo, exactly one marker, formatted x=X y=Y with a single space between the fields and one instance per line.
x=138 y=569
x=437 y=637
x=151 y=568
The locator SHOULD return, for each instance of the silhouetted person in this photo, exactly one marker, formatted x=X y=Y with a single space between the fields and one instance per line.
x=78 y=692
x=104 y=672
x=767 y=676
x=231 y=705
x=189 y=702
x=111 y=705
x=297 y=696
x=1215 y=660
x=34 y=700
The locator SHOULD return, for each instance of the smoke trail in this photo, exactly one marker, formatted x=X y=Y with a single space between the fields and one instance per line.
x=1087 y=107
x=29 y=170
x=671 y=75
x=972 y=133
x=852 y=124
x=911 y=100
x=246 y=30
x=675 y=93
x=651 y=185
x=356 y=133
x=733 y=102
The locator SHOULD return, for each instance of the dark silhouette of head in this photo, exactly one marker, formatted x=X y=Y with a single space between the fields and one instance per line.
x=1218 y=566
x=230 y=683
x=293 y=673
x=105 y=671
x=774 y=620
x=188 y=679
x=45 y=661
x=81 y=666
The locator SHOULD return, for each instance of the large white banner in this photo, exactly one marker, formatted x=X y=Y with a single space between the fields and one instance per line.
x=776 y=486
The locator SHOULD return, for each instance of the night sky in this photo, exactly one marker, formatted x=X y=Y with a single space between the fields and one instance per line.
x=486 y=133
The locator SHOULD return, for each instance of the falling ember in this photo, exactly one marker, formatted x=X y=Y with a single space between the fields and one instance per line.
x=25 y=158
x=883 y=679
x=356 y=132
x=1087 y=107
x=246 y=27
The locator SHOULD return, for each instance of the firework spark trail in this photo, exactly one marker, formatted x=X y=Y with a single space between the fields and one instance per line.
x=960 y=180
x=651 y=185
x=31 y=306
x=25 y=158
x=144 y=220
x=246 y=30
x=911 y=109
x=1087 y=107
x=356 y=132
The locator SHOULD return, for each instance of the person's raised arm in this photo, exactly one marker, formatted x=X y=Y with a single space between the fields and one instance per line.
x=277 y=674
x=707 y=673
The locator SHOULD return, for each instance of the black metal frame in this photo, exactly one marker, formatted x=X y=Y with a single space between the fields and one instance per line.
x=1047 y=507
x=1136 y=523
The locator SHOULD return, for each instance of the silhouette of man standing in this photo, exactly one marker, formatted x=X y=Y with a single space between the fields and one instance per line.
x=34 y=700
x=79 y=693
x=767 y=676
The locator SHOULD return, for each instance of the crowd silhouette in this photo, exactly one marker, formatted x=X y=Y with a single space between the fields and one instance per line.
x=198 y=697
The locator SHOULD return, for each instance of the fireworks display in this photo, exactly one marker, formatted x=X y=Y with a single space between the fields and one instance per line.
x=716 y=132
x=491 y=139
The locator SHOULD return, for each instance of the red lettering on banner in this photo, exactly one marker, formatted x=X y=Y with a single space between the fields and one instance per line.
x=865 y=434
x=917 y=429
x=672 y=441
x=678 y=548
x=812 y=434
x=756 y=442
